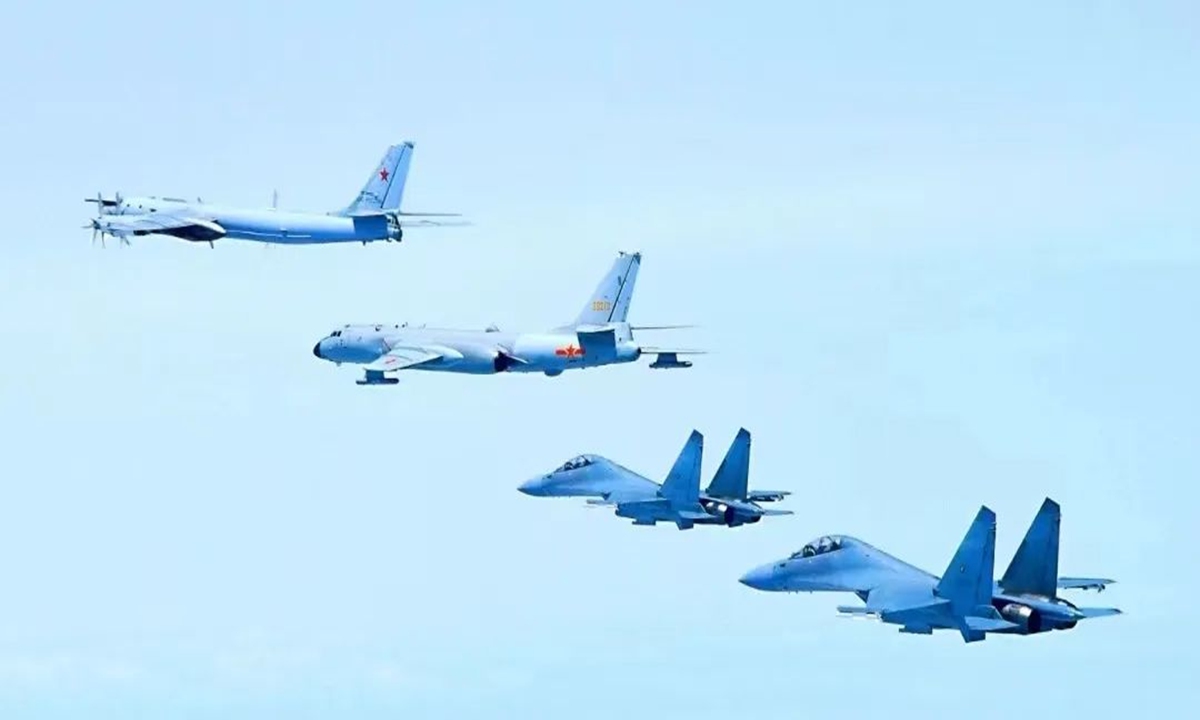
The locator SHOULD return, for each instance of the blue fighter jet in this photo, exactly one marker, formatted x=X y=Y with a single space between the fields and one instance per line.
x=727 y=500
x=1024 y=602
x=373 y=215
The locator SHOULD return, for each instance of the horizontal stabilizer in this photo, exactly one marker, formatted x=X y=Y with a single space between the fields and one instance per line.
x=1098 y=612
x=772 y=511
x=402 y=218
x=767 y=495
x=672 y=351
x=434 y=223
x=1074 y=583
x=987 y=624
x=660 y=327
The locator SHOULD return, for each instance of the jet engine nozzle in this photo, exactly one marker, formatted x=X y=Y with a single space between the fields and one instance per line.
x=1025 y=617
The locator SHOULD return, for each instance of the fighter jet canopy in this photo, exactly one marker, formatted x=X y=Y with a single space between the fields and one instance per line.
x=820 y=546
x=575 y=463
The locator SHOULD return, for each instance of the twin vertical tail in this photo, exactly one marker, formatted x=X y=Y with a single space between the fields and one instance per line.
x=967 y=582
x=733 y=476
x=385 y=187
x=1034 y=569
x=610 y=302
x=682 y=486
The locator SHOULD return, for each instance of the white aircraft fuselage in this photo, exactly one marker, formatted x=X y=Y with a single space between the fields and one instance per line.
x=260 y=224
x=475 y=352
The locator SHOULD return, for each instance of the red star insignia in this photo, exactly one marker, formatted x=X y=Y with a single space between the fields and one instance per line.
x=383 y=174
x=569 y=351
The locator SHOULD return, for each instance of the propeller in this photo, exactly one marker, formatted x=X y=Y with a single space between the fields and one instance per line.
x=101 y=203
x=102 y=230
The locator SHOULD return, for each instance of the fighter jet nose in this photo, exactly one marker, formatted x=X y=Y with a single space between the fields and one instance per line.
x=534 y=487
x=760 y=578
x=317 y=351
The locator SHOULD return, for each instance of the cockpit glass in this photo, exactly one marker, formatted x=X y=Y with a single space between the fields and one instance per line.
x=575 y=463
x=820 y=546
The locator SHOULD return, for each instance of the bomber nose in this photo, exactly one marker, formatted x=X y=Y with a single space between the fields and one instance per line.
x=760 y=578
x=317 y=351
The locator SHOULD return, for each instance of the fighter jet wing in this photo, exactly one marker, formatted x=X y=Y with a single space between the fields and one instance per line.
x=401 y=357
x=162 y=223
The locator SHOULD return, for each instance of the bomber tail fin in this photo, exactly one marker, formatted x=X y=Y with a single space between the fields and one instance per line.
x=384 y=190
x=682 y=486
x=1034 y=568
x=610 y=301
x=733 y=476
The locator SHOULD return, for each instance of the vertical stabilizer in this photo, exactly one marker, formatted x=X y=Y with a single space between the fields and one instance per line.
x=682 y=486
x=967 y=582
x=610 y=302
x=385 y=187
x=733 y=476
x=1034 y=569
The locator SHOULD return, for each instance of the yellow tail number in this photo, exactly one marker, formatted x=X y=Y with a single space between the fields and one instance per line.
x=601 y=305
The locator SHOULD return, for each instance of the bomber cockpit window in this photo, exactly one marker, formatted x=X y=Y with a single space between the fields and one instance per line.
x=820 y=546
x=335 y=333
x=575 y=463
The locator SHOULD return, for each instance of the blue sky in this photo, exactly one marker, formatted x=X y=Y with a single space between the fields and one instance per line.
x=943 y=257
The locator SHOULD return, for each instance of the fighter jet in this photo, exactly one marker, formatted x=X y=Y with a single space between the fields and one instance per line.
x=598 y=336
x=726 y=501
x=373 y=215
x=965 y=598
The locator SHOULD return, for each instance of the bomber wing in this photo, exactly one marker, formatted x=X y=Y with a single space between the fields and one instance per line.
x=401 y=357
x=398 y=358
x=189 y=228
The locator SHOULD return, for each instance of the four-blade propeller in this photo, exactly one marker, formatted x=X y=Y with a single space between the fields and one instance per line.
x=102 y=208
x=101 y=203
x=101 y=230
